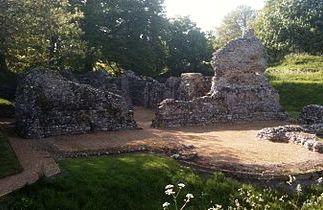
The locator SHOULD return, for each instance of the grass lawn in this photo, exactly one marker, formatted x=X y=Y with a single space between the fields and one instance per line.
x=299 y=81
x=122 y=182
x=133 y=181
x=9 y=163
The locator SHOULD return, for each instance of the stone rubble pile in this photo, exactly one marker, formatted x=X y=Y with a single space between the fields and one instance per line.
x=240 y=91
x=292 y=134
x=49 y=104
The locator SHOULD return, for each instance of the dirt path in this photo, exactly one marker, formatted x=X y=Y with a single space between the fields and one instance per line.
x=221 y=147
x=35 y=164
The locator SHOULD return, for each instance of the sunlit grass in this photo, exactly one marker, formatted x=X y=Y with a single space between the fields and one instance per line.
x=5 y=102
x=299 y=80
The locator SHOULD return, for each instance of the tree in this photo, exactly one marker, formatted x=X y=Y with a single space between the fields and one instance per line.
x=287 y=26
x=128 y=33
x=233 y=25
x=188 y=49
x=43 y=32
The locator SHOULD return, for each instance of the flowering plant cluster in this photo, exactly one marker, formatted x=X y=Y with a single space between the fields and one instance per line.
x=169 y=190
x=249 y=199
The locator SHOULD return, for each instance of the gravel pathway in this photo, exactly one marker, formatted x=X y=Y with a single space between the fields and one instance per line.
x=35 y=164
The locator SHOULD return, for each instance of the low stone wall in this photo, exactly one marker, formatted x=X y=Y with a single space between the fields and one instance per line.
x=49 y=104
x=292 y=134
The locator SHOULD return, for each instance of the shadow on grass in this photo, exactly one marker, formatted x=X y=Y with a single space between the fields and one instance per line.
x=120 y=182
x=295 y=95
x=9 y=163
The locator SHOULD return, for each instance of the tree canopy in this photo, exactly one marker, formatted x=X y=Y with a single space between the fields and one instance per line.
x=124 y=32
x=287 y=26
x=136 y=34
x=188 y=49
x=233 y=25
x=44 y=32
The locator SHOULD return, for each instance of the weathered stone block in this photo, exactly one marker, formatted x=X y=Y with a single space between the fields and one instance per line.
x=48 y=104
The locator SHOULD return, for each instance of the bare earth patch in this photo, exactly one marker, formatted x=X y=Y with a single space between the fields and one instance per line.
x=226 y=147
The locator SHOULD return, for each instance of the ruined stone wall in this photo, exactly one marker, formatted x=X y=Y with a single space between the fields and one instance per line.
x=240 y=91
x=193 y=85
x=311 y=114
x=49 y=104
x=146 y=91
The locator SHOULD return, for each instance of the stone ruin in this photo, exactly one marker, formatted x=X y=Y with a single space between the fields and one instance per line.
x=300 y=135
x=240 y=91
x=146 y=91
x=311 y=114
x=305 y=134
x=193 y=85
x=49 y=104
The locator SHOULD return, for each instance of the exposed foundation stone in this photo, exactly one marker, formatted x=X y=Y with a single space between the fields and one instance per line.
x=292 y=134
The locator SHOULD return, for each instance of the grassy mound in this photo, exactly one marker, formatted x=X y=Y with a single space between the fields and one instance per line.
x=133 y=182
x=9 y=163
x=299 y=80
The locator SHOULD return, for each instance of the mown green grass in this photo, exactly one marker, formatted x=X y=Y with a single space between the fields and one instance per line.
x=9 y=163
x=122 y=182
x=299 y=81
x=134 y=181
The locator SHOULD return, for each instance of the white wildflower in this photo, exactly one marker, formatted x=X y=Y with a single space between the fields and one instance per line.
x=291 y=179
x=299 y=188
x=181 y=185
x=189 y=196
x=169 y=192
x=320 y=180
x=216 y=207
x=165 y=205
x=169 y=186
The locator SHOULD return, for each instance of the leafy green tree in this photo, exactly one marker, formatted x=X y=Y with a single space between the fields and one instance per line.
x=233 y=25
x=42 y=32
x=188 y=48
x=287 y=26
x=127 y=33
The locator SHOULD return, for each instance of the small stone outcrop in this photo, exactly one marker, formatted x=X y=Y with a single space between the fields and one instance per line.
x=49 y=104
x=292 y=134
x=311 y=114
x=240 y=91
